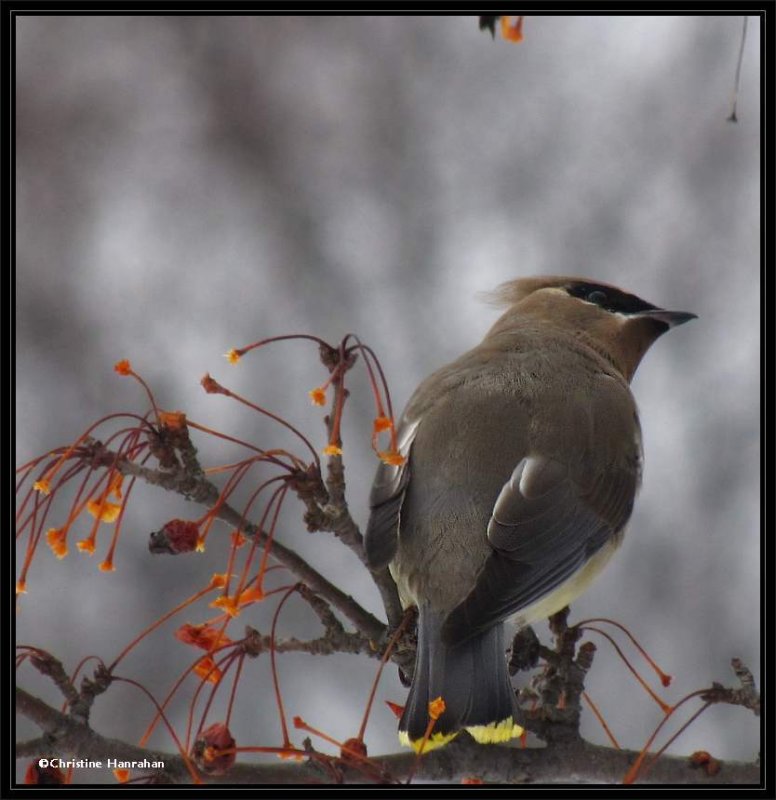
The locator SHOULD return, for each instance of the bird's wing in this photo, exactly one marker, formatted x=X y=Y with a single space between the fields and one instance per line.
x=389 y=487
x=386 y=498
x=547 y=521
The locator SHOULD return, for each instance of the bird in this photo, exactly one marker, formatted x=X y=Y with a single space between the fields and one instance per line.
x=521 y=462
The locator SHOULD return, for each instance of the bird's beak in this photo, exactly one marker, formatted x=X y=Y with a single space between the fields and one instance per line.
x=670 y=318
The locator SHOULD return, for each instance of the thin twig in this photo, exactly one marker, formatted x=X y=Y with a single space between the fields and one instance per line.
x=733 y=116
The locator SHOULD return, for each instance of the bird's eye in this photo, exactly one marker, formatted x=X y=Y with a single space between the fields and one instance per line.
x=597 y=296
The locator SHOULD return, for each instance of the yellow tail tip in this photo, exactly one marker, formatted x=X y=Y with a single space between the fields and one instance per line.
x=496 y=732
x=492 y=733
x=432 y=743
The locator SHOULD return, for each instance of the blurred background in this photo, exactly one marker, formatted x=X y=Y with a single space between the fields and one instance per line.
x=190 y=184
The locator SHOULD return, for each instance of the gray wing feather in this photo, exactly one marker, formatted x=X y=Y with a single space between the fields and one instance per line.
x=543 y=528
x=385 y=500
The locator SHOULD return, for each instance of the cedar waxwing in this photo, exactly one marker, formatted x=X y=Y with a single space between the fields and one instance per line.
x=523 y=458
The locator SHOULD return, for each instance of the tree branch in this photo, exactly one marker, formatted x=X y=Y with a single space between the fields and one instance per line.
x=574 y=762
x=332 y=642
x=745 y=695
x=201 y=490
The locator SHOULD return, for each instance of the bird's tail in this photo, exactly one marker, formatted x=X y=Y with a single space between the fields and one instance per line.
x=471 y=678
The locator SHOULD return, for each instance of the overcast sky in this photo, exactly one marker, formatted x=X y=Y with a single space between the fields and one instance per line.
x=188 y=185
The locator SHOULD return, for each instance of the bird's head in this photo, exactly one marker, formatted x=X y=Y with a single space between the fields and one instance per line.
x=617 y=324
